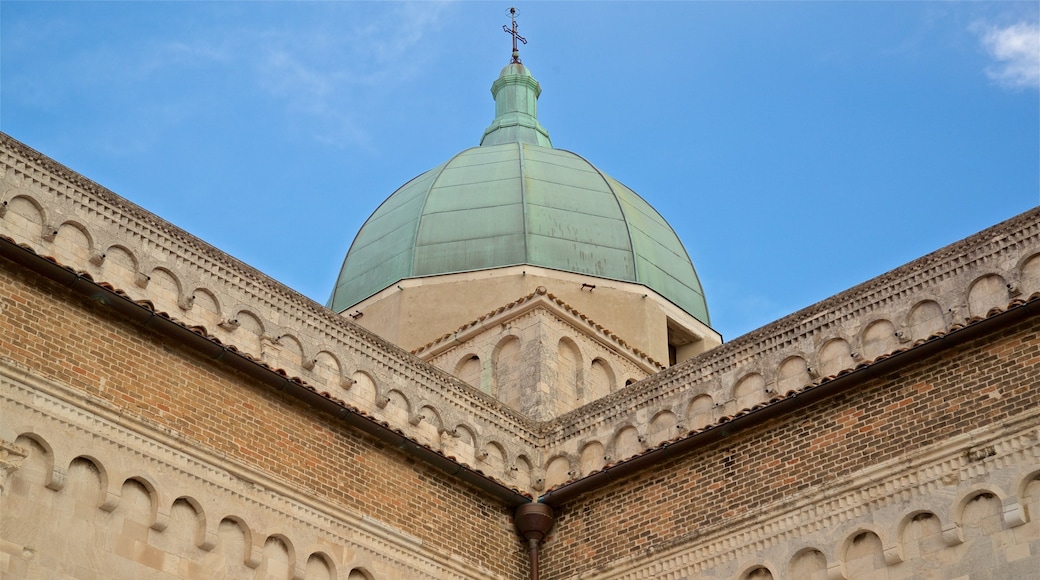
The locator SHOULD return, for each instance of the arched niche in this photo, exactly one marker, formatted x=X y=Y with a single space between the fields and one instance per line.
x=24 y=219
x=757 y=573
x=26 y=484
x=277 y=560
x=327 y=369
x=568 y=374
x=120 y=270
x=164 y=290
x=920 y=535
x=465 y=444
x=70 y=529
x=468 y=369
x=879 y=338
x=202 y=529
x=250 y=329
x=557 y=471
x=1030 y=498
x=139 y=502
x=1030 y=493
x=320 y=567
x=250 y=323
x=749 y=391
x=662 y=428
x=507 y=371
x=980 y=519
x=205 y=309
x=233 y=548
x=397 y=401
x=363 y=391
x=73 y=243
x=980 y=514
x=701 y=412
x=290 y=351
x=925 y=319
x=626 y=443
x=430 y=426
x=432 y=416
x=792 y=375
x=37 y=466
x=398 y=406
x=864 y=555
x=987 y=292
x=1030 y=275
x=184 y=532
x=835 y=356
x=496 y=456
x=592 y=457
x=601 y=380
x=148 y=495
x=523 y=470
x=808 y=564
x=85 y=481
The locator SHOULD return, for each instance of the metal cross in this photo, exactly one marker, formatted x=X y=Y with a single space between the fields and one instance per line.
x=516 y=36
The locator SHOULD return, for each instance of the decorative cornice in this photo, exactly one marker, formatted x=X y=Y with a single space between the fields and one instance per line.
x=931 y=480
x=63 y=417
x=541 y=297
x=946 y=277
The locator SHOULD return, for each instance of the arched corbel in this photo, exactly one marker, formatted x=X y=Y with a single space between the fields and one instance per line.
x=229 y=324
x=110 y=501
x=893 y=554
x=952 y=534
x=207 y=540
x=255 y=556
x=1014 y=514
x=538 y=479
x=835 y=571
x=162 y=516
x=57 y=478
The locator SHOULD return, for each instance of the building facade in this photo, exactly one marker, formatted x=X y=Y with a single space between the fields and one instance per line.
x=168 y=411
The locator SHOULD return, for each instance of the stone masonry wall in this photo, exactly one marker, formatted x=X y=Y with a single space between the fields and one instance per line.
x=148 y=385
x=60 y=214
x=933 y=470
x=82 y=226
x=522 y=360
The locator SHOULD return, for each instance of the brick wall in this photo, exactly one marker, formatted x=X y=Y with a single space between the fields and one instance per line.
x=70 y=340
x=748 y=474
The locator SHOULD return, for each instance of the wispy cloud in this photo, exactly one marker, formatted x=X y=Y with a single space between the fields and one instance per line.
x=329 y=67
x=328 y=75
x=1016 y=50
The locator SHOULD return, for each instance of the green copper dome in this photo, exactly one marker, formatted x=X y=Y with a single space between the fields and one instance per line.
x=516 y=200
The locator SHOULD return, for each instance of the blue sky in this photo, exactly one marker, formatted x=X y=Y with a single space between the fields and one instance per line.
x=797 y=148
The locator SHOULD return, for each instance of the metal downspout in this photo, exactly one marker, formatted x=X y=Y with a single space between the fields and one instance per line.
x=533 y=521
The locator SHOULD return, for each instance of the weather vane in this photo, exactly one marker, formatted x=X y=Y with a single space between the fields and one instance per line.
x=512 y=12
